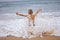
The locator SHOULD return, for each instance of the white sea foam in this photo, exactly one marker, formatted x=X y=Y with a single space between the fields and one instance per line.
x=18 y=27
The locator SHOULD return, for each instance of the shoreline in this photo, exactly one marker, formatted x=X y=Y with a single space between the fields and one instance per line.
x=36 y=38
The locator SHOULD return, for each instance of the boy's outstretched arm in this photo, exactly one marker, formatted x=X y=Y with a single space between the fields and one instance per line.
x=39 y=10
x=20 y=14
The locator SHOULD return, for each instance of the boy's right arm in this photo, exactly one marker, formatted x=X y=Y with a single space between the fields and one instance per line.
x=20 y=14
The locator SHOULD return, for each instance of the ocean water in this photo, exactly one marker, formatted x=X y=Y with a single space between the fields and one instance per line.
x=11 y=24
x=11 y=7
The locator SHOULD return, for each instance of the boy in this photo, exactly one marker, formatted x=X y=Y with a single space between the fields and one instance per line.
x=30 y=16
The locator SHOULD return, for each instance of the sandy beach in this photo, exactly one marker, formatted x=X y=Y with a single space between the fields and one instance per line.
x=37 y=38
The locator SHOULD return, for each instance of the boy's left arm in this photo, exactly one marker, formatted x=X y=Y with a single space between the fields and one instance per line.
x=39 y=10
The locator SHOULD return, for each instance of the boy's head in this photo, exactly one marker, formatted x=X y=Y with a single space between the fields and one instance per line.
x=30 y=11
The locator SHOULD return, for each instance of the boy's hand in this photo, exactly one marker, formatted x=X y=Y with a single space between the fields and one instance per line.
x=39 y=10
x=16 y=13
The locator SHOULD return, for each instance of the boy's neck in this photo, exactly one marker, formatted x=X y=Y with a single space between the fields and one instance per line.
x=30 y=14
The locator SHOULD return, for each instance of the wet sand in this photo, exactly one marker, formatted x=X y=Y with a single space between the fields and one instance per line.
x=36 y=38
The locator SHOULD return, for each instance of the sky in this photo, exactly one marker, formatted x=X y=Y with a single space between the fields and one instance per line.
x=9 y=0
x=29 y=0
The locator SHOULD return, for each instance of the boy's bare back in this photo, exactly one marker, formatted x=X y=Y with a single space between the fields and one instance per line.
x=30 y=16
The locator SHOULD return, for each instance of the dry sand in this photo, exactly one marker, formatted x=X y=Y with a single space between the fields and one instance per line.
x=37 y=38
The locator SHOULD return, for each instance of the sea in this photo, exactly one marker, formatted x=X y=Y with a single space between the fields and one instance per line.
x=11 y=24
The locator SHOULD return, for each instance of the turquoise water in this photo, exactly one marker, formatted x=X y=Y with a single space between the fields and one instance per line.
x=23 y=6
